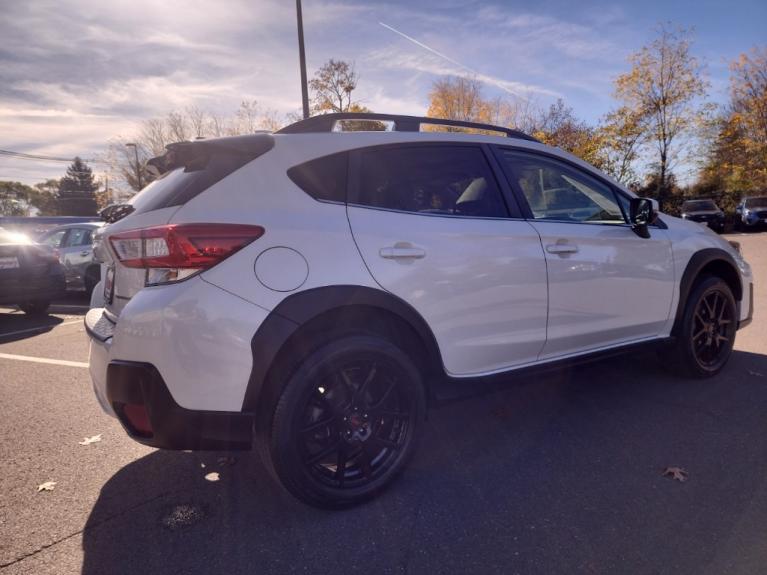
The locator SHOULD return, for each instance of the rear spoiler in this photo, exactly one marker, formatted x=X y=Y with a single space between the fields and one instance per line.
x=194 y=155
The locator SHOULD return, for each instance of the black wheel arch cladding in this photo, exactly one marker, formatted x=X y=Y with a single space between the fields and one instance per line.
x=300 y=309
x=710 y=261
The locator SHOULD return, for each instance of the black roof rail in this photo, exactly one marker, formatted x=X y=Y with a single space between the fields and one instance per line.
x=327 y=123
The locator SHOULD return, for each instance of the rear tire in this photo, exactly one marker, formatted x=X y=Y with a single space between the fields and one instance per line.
x=36 y=307
x=346 y=422
x=707 y=333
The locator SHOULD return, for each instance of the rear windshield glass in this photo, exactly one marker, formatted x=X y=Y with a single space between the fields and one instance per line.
x=177 y=187
x=699 y=205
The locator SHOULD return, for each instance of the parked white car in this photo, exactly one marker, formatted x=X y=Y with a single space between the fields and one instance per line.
x=311 y=291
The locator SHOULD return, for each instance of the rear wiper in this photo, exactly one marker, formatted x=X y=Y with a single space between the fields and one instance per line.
x=115 y=212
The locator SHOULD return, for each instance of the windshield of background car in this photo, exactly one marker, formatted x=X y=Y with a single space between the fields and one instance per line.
x=698 y=206
x=756 y=203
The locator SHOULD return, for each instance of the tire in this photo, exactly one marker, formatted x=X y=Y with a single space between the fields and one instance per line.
x=92 y=277
x=346 y=422
x=36 y=307
x=707 y=333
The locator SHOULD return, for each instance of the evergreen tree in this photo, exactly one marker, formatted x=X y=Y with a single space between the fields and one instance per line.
x=77 y=191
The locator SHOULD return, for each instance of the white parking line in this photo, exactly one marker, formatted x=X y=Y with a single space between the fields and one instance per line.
x=40 y=328
x=43 y=360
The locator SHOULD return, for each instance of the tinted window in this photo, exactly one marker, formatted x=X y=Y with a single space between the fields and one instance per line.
x=54 y=239
x=79 y=237
x=444 y=180
x=323 y=178
x=756 y=203
x=556 y=191
x=697 y=205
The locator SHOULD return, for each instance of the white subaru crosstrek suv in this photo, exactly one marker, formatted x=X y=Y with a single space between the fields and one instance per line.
x=310 y=292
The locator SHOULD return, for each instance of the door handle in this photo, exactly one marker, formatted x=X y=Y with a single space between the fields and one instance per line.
x=561 y=248
x=402 y=251
x=85 y=252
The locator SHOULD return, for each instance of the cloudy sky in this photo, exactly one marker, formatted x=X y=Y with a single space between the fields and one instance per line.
x=76 y=73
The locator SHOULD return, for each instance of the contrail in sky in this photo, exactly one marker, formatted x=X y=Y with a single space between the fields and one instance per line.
x=489 y=79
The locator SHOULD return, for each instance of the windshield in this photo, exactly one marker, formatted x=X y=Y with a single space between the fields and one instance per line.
x=699 y=206
x=756 y=202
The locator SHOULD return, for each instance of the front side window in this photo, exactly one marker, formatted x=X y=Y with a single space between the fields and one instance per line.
x=556 y=191
x=438 y=180
x=54 y=239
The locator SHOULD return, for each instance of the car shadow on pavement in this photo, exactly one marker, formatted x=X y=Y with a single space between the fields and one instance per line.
x=558 y=475
x=16 y=325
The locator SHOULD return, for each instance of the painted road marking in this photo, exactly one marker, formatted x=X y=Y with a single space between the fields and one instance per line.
x=43 y=360
x=40 y=328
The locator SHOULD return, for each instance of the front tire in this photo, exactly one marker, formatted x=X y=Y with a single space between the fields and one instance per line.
x=347 y=421
x=35 y=307
x=707 y=334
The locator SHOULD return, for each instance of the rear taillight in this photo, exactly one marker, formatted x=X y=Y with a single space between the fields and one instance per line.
x=176 y=251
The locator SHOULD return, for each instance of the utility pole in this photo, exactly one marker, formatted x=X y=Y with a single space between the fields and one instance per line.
x=302 y=58
x=138 y=168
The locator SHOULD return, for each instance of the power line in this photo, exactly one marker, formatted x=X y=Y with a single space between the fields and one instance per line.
x=40 y=157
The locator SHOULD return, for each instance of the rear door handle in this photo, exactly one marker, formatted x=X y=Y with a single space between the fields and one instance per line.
x=402 y=251
x=561 y=248
x=85 y=252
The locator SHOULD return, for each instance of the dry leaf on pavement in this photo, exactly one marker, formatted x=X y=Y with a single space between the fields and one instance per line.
x=675 y=473
x=212 y=476
x=47 y=486
x=92 y=439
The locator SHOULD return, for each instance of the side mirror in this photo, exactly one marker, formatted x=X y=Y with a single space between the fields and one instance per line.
x=642 y=213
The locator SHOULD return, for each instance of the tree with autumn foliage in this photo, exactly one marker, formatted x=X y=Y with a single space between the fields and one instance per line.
x=737 y=160
x=664 y=91
x=558 y=126
x=333 y=87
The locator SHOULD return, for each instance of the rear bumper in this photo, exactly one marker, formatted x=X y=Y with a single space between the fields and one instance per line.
x=183 y=352
x=172 y=426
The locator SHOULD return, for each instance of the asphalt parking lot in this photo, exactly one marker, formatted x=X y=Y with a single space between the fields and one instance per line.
x=557 y=475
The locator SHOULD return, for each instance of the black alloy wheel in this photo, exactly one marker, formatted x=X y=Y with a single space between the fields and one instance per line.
x=705 y=339
x=713 y=328
x=347 y=421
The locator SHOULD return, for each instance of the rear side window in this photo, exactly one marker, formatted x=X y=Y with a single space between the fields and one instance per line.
x=324 y=178
x=439 y=180
x=177 y=187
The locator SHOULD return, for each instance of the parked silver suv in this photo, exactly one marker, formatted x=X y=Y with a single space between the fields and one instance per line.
x=74 y=243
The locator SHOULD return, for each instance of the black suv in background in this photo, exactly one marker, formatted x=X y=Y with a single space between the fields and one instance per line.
x=704 y=211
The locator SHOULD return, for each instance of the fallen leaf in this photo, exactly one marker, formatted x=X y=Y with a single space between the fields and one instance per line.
x=212 y=476
x=222 y=461
x=755 y=373
x=202 y=465
x=675 y=473
x=88 y=440
x=47 y=486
